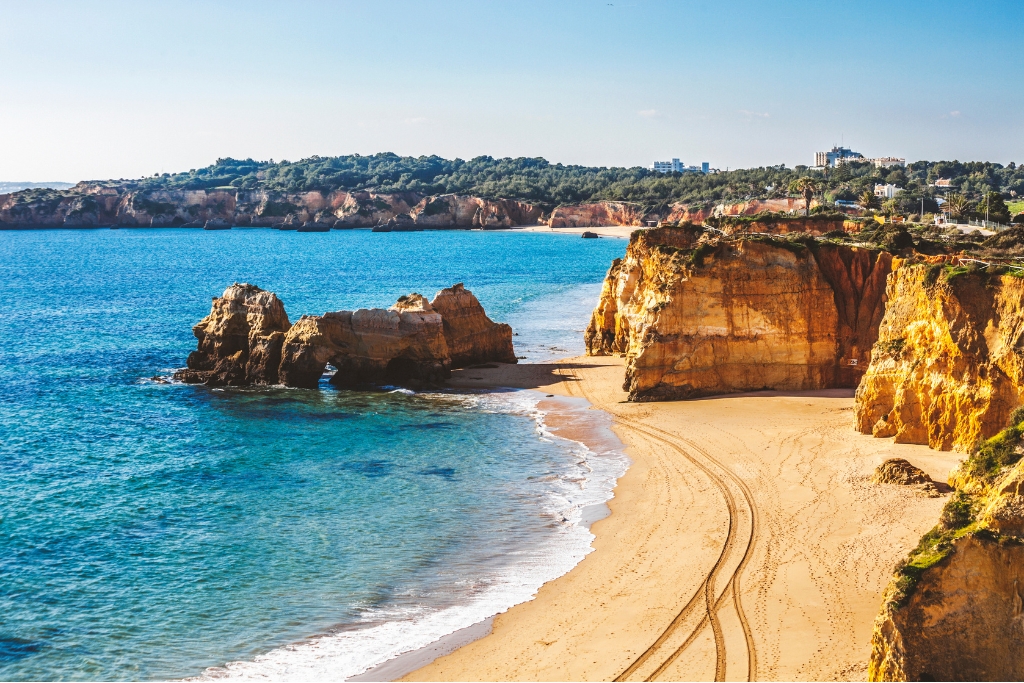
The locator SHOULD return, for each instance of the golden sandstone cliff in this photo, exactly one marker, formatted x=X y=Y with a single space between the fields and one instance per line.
x=100 y=204
x=92 y=204
x=247 y=339
x=954 y=610
x=949 y=364
x=697 y=314
x=938 y=346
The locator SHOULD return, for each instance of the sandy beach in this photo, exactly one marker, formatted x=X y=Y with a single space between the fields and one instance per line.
x=618 y=231
x=746 y=542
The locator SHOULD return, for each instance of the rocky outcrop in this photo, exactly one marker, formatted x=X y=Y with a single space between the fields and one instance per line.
x=240 y=341
x=948 y=365
x=954 y=609
x=131 y=205
x=404 y=344
x=452 y=210
x=698 y=213
x=899 y=471
x=247 y=339
x=599 y=214
x=697 y=314
x=471 y=336
x=783 y=224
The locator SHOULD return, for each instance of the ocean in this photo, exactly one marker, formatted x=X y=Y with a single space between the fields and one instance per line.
x=154 y=530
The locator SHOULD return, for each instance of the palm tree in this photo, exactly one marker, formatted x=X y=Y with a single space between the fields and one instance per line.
x=956 y=204
x=868 y=200
x=807 y=187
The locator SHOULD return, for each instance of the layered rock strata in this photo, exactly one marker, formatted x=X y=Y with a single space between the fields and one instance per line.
x=697 y=315
x=948 y=366
x=954 y=611
x=598 y=214
x=404 y=344
x=240 y=341
x=471 y=336
x=127 y=204
x=247 y=339
x=101 y=204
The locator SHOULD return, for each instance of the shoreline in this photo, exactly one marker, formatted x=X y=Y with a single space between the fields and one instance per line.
x=581 y=477
x=762 y=500
x=563 y=418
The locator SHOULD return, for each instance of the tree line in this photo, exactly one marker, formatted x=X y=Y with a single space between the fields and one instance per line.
x=539 y=181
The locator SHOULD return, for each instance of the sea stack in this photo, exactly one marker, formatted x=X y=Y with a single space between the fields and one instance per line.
x=247 y=339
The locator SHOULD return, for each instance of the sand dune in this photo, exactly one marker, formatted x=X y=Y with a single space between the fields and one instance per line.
x=745 y=542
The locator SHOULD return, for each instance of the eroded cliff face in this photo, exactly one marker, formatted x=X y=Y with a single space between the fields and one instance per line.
x=240 y=341
x=98 y=204
x=948 y=366
x=471 y=336
x=954 y=609
x=690 y=213
x=247 y=339
x=404 y=344
x=697 y=315
x=598 y=214
x=473 y=212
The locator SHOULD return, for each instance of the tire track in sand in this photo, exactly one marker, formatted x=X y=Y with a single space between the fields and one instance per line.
x=722 y=477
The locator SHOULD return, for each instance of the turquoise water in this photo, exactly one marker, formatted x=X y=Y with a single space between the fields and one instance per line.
x=152 y=530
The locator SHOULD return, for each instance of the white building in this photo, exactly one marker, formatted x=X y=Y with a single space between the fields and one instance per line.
x=887 y=191
x=838 y=156
x=676 y=166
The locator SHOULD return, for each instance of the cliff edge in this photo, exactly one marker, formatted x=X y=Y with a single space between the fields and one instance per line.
x=698 y=314
x=948 y=366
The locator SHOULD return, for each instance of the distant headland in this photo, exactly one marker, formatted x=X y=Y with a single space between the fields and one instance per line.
x=429 y=192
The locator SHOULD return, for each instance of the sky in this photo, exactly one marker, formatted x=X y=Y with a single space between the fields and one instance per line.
x=102 y=89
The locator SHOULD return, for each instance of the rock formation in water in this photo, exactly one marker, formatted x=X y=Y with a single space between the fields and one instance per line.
x=948 y=367
x=471 y=336
x=404 y=344
x=698 y=315
x=247 y=339
x=954 y=609
x=240 y=341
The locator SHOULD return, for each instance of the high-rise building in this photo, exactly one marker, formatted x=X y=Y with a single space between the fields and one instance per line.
x=835 y=156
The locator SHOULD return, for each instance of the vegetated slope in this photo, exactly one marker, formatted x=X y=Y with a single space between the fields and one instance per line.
x=953 y=610
x=534 y=181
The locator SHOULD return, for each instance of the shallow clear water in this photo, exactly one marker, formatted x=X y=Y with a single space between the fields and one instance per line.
x=152 y=530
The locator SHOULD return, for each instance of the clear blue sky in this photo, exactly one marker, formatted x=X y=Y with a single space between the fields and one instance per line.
x=122 y=89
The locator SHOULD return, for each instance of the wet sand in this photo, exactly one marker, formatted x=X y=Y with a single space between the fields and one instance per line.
x=619 y=231
x=745 y=542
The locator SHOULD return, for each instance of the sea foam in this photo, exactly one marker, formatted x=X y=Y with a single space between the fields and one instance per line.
x=384 y=633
